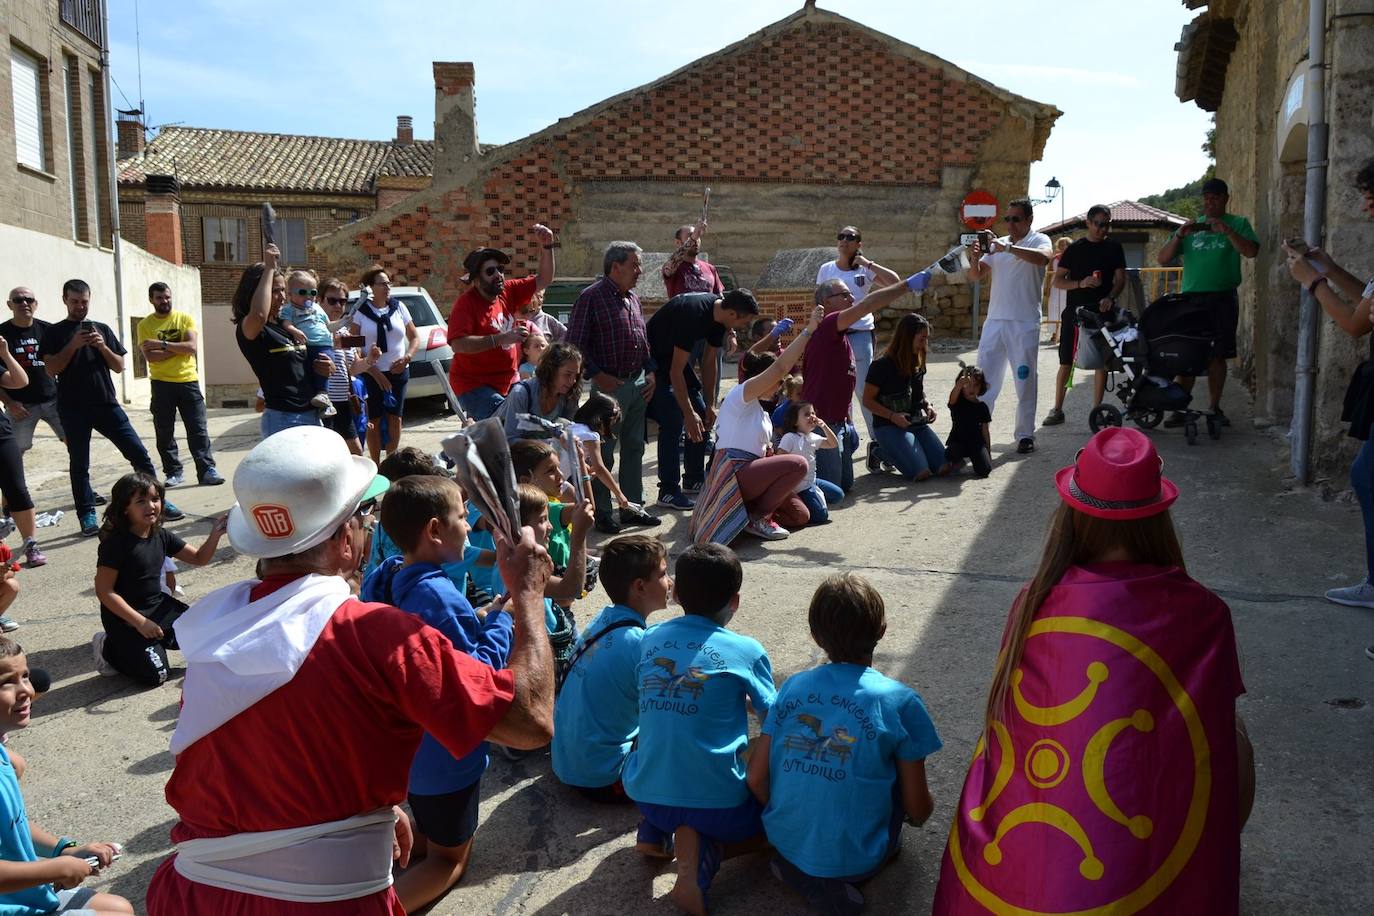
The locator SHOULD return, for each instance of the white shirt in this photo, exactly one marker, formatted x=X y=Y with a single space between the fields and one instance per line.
x=396 y=342
x=1017 y=285
x=804 y=445
x=743 y=424
x=859 y=282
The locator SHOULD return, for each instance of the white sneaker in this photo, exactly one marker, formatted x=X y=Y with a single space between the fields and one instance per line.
x=102 y=667
x=767 y=529
x=322 y=404
x=1361 y=595
x=174 y=480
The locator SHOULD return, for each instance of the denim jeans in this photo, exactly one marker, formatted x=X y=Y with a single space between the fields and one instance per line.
x=675 y=455
x=110 y=421
x=274 y=421
x=913 y=450
x=1362 y=482
x=861 y=342
x=168 y=400
x=818 y=498
x=481 y=402
x=836 y=465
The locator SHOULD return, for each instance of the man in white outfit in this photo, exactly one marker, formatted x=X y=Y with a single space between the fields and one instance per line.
x=1011 y=333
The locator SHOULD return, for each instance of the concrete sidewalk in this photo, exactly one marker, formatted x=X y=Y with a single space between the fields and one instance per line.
x=948 y=556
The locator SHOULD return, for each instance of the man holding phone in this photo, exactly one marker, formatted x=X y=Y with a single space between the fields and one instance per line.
x=1211 y=248
x=82 y=353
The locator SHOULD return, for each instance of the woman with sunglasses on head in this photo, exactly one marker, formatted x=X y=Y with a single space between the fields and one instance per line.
x=348 y=418
x=385 y=323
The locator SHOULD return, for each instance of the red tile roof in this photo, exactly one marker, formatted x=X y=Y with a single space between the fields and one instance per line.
x=1124 y=213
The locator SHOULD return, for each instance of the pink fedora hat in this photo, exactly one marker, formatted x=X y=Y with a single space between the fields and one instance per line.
x=1117 y=475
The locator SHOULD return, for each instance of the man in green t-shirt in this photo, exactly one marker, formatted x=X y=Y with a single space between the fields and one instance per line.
x=169 y=343
x=1211 y=248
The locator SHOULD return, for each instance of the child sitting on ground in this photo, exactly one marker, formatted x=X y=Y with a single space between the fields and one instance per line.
x=696 y=680
x=841 y=760
x=791 y=394
x=803 y=433
x=565 y=586
x=531 y=351
x=969 y=436
x=304 y=320
x=596 y=717
x=31 y=883
x=424 y=516
x=135 y=615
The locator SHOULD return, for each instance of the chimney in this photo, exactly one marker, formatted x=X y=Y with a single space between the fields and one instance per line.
x=162 y=218
x=130 y=135
x=455 y=117
x=405 y=130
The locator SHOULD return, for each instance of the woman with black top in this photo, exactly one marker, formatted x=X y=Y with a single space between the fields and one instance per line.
x=276 y=359
x=894 y=393
x=1323 y=277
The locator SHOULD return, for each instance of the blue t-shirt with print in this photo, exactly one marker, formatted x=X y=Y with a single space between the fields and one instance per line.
x=692 y=679
x=836 y=735
x=311 y=321
x=16 y=845
x=596 y=716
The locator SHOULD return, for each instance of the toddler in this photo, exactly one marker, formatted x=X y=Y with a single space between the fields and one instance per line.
x=791 y=394
x=841 y=759
x=531 y=351
x=969 y=438
x=533 y=312
x=307 y=323
x=803 y=433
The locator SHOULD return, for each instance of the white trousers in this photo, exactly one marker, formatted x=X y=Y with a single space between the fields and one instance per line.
x=1015 y=345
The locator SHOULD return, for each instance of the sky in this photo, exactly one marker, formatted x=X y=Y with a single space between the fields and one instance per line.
x=347 y=68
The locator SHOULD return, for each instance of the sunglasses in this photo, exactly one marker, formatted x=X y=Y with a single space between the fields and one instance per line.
x=366 y=507
x=493 y=271
x=1013 y=219
x=23 y=300
x=847 y=237
x=309 y=293
x=336 y=300
x=1102 y=225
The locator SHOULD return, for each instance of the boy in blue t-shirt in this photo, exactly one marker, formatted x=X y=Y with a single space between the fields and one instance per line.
x=32 y=878
x=696 y=680
x=303 y=318
x=596 y=717
x=841 y=761
x=426 y=518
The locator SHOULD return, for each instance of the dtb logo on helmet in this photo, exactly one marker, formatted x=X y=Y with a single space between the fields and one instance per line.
x=273 y=521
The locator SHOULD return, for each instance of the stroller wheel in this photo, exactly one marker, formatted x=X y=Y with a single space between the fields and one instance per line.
x=1147 y=419
x=1213 y=427
x=1102 y=416
x=1190 y=432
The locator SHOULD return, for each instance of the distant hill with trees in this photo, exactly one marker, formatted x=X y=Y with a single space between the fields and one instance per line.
x=1187 y=200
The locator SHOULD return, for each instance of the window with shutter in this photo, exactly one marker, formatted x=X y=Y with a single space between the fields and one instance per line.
x=291 y=240
x=28 y=109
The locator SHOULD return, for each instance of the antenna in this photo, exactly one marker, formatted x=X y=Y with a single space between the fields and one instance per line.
x=138 y=54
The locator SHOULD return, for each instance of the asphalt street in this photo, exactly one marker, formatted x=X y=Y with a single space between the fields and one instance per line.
x=948 y=556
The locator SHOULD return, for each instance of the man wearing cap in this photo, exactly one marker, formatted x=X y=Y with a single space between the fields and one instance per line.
x=484 y=328
x=303 y=707
x=1211 y=248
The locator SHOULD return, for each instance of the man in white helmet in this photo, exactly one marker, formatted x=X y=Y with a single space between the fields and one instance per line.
x=303 y=707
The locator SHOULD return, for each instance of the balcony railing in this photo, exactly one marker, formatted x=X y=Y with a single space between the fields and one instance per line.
x=84 y=16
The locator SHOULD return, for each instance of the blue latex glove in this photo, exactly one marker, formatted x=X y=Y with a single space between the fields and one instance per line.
x=782 y=327
x=918 y=282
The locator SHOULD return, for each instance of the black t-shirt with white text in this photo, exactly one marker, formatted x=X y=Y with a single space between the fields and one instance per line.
x=902 y=393
x=1081 y=259
x=680 y=323
x=86 y=381
x=138 y=562
x=26 y=345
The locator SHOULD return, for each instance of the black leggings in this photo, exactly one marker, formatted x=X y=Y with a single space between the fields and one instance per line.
x=981 y=458
x=135 y=655
x=12 y=483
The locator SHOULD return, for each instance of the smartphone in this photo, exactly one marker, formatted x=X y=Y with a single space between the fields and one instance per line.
x=352 y=340
x=985 y=241
x=87 y=326
x=1299 y=246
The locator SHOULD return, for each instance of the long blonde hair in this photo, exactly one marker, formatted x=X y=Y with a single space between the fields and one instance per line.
x=1076 y=538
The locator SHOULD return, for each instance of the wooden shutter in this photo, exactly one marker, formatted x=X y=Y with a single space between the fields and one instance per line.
x=28 y=109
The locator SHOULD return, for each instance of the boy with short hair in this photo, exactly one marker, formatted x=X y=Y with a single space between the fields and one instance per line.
x=596 y=717
x=696 y=679
x=425 y=516
x=33 y=881
x=304 y=320
x=841 y=760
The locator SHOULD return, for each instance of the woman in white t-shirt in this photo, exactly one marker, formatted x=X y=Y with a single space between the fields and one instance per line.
x=749 y=488
x=388 y=327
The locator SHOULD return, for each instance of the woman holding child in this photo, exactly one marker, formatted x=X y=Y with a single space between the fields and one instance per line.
x=894 y=393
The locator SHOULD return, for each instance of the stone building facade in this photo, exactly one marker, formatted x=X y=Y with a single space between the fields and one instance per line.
x=1247 y=60
x=767 y=123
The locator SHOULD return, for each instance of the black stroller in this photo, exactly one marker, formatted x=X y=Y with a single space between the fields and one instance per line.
x=1175 y=336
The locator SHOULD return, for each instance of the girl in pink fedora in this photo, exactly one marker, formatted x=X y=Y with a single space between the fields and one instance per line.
x=1112 y=774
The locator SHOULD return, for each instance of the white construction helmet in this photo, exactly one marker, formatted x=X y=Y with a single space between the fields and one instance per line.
x=294 y=490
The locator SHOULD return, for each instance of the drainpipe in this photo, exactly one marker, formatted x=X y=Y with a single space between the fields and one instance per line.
x=123 y=326
x=1313 y=224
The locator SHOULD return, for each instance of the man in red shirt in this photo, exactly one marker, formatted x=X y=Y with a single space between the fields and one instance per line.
x=303 y=707
x=484 y=328
x=684 y=272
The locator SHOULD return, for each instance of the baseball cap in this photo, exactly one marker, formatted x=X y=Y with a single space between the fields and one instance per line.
x=1215 y=186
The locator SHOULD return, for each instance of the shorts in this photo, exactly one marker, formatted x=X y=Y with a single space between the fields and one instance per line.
x=449 y=819
x=73 y=902
x=45 y=411
x=376 y=400
x=724 y=825
x=1226 y=312
x=344 y=422
x=614 y=794
x=1068 y=335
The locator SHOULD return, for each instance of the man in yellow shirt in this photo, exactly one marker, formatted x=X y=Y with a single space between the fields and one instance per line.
x=169 y=342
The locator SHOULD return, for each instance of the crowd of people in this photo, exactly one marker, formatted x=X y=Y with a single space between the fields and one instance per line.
x=389 y=612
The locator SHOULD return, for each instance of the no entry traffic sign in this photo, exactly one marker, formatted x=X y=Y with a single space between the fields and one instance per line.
x=979 y=210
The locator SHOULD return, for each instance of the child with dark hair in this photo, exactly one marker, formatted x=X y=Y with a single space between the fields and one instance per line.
x=34 y=862
x=596 y=718
x=841 y=759
x=802 y=433
x=696 y=680
x=425 y=517
x=565 y=586
x=135 y=615
x=398 y=465
x=969 y=437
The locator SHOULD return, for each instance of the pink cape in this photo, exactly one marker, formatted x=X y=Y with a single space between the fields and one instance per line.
x=1110 y=783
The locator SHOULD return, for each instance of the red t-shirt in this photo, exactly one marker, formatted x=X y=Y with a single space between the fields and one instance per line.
x=474 y=316
x=693 y=277
x=334 y=741
x=828 y=370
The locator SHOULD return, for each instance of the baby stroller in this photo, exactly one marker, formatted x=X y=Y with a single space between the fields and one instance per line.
x=1175 y=336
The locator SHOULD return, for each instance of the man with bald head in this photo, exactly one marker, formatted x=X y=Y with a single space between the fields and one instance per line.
x=38 y=399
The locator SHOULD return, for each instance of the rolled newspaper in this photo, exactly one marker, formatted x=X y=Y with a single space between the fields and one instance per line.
x=482 y=464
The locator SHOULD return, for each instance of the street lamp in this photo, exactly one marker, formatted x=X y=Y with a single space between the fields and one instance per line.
x=1052 y=190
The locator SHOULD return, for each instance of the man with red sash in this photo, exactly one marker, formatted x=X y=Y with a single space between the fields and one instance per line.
x=302 y=707
x=1114 y=776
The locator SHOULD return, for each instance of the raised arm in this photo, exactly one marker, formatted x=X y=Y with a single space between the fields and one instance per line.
x=261 y=306
x=769 y=379
x=544 y=276
x=879 y=298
